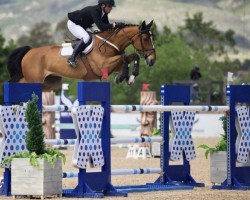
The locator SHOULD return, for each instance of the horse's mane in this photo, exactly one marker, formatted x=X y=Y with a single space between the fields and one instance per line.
x=131 y=25
x=109 y=30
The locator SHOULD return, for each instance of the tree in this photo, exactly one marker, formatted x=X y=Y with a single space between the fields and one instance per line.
x=62 y=31
x=34 y=137
x=40 y=35
x=246 y=64
x=205 y=36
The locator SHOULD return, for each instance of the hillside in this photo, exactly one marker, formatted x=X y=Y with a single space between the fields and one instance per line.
x=17 y=17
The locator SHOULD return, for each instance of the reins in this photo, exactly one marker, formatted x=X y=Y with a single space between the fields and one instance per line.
x=105 y=40
x=139 y=34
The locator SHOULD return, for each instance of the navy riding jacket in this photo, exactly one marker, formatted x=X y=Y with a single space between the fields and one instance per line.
x=87 y=16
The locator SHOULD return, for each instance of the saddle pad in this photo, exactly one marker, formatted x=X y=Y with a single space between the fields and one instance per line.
x=67 y=49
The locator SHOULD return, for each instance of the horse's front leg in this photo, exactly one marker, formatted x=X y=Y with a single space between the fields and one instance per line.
x=125 y=71
x=133 y=57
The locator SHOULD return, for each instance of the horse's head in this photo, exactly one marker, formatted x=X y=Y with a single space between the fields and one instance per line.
x=143 y=43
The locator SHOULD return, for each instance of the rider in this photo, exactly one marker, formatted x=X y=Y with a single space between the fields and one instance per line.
x=82 y=19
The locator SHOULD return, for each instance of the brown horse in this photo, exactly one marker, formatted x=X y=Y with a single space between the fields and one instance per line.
x=46 y=65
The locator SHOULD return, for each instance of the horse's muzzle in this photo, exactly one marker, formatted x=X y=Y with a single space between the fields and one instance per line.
x=150 y=58
x=150 y=61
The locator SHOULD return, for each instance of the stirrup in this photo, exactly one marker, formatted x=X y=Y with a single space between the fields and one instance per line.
x=72 y=63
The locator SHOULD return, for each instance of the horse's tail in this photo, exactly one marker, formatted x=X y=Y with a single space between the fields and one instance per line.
x=14 y=63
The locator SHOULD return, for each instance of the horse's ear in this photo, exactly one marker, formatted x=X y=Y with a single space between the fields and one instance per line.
x=150 y=24
x=143 y=25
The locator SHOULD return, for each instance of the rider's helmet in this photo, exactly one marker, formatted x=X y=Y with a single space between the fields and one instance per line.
x=110 y=2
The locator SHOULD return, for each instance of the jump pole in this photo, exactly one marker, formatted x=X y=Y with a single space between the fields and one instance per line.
x=146 y=108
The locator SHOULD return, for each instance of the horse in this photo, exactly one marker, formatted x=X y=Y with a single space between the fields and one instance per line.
x=45 y=64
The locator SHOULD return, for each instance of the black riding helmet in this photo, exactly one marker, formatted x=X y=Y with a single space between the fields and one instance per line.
x=110 y=2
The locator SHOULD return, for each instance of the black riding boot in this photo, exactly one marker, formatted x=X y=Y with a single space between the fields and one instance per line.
x=80 y=46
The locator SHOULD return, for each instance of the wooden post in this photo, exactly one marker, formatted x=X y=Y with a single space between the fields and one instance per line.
x=48 y=119
x=148 y=119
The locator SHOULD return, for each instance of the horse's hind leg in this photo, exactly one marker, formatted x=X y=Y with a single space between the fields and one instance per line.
x=34 y=66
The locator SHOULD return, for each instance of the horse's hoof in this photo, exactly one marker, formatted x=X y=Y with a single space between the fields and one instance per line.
x=116 y=80
x=131 y=80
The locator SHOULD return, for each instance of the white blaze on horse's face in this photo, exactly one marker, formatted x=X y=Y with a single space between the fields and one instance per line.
x=152 y=57
x=148 y=48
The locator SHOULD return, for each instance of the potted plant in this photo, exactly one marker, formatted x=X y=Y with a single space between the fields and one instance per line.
x=37 y=172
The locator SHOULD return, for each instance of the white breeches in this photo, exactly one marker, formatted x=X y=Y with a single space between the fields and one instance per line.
x=78 y=31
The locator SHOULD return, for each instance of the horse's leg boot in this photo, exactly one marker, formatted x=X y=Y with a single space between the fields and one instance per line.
x=80 y=46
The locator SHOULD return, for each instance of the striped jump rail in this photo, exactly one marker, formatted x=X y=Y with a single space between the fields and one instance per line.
x=146 y=108
x=113 y=140
x=117 y=172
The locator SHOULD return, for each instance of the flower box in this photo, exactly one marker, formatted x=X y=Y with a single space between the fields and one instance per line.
x=156 y=149
x=218 y=166
x=42 y=181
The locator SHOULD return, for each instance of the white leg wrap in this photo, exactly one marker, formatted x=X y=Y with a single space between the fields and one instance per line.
x=131 y=79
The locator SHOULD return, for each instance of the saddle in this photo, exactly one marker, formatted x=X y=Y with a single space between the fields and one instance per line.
x=69 y=45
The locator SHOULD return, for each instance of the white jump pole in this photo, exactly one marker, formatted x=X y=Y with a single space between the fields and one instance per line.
x=113 y=140
x=118 y=172
x=161 y=108
x=146 y=108
x=136 y=171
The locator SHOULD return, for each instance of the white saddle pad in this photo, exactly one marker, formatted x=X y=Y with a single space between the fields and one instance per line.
x=67 y=49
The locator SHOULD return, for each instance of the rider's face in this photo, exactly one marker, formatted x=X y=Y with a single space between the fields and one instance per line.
x=107 y=8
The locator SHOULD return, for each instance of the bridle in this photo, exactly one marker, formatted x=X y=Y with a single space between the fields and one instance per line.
x=143 y=50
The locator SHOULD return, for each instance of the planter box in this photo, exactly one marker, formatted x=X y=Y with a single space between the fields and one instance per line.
x=28 y=180
x=218 y=166
x=156 y=149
